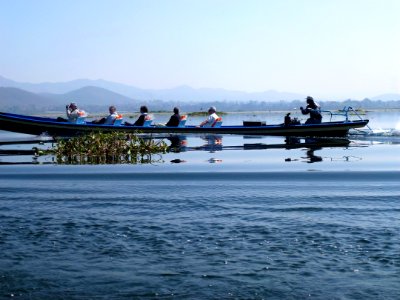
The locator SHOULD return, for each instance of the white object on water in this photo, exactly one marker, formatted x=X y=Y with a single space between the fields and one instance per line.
x=396 y=132
x=380 y=131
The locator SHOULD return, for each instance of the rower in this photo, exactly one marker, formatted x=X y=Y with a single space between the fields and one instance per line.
x=314 y=110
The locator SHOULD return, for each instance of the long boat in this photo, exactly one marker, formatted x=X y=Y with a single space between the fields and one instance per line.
x=50 y=126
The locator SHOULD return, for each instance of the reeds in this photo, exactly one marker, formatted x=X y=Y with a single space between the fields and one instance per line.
x=108 y=148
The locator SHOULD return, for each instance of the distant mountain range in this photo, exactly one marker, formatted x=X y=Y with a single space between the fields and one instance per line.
x=96 y=95
x=97 y=99
x=181 y=93
x=386 y=97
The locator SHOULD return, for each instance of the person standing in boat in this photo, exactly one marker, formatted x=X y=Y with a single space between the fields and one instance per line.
x=314 y=110
x=175 y=118
x=73 y=113
x=211 y=119
x=109 y=120
x=144 y=115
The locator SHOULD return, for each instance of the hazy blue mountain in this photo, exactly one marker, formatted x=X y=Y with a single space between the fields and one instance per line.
x=387 y=97
x=91 y=98
x=96 y=100
x=91 y=95
x=186 y=93
x=65 y=87
x=181 y=93
x=15 y=96
x=17 y=100
x=102 y=92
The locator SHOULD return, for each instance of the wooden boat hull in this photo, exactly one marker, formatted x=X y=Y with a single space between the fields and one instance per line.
x=39 y=125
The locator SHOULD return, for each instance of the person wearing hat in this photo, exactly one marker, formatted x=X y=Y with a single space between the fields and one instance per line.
x=211 y=119
x=314 y=110
x=73 y=113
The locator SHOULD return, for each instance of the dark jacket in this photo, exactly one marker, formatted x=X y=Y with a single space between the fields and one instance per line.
x=174 y=120
x=314 y=111
x=140 y=120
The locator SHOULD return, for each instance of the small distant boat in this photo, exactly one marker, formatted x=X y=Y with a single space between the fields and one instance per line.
x=41 y=125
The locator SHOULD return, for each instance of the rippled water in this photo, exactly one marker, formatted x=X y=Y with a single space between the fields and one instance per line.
x=236 y=218
x=198 y=235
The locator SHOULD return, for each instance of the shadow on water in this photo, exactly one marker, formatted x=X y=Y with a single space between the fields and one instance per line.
x=24 y=153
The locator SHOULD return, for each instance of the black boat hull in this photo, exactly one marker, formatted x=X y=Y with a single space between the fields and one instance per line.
x=39 y=125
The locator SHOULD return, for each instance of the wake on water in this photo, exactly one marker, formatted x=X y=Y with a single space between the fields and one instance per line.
x=383 y=133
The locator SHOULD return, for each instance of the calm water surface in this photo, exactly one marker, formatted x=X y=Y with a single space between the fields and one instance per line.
x=236 y=218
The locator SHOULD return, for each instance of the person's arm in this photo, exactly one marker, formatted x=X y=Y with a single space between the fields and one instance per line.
x=209 y=120
x=305 y=111
x=67 y=111
x=203 y=123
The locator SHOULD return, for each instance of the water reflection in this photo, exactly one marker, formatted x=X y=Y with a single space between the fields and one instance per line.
x=211 y=143
x=15 y=153
x=178 y=143
x=313 y=145
x=311 y=157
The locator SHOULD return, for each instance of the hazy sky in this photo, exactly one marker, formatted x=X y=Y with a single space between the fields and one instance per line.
x=333 y=49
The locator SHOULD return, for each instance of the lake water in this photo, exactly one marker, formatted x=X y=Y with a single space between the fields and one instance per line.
x=230 y=217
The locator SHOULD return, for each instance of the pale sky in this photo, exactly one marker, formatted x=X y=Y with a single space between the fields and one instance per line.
x=333 y=49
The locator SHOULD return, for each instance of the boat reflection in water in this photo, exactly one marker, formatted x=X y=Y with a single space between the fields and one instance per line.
x=178 y=143
x=313 y=145
x=190 y=143
x=213 y=143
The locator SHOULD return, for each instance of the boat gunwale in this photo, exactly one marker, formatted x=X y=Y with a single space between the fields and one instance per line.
x=52 y=125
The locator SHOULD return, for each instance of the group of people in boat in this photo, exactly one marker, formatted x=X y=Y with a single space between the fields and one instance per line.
x=73 y=113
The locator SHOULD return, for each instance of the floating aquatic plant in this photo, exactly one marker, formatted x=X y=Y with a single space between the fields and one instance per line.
x=203 y=113
x=108 y=148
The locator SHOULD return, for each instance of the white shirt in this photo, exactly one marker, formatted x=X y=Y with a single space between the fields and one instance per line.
x=211 y=119
x=111 y=118
x=73 y=115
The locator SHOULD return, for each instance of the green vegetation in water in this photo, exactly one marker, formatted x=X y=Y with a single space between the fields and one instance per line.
x=108 y=148
x=203 y=113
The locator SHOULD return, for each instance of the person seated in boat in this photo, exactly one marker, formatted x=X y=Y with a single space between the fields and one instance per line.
x=73 y=113
x=109 y=120
x=314 y=110
x=288 y=121
x=211 y=119
x=144 y=115
x=175 y=118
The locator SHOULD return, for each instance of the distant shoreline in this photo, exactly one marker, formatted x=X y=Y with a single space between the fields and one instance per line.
x=281 y=111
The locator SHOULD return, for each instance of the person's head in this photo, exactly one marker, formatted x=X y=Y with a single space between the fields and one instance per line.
x=212 y=110
x=73 y=106
x=176 y=110
x=112 y=109
x=143 y=109
x=310 y=100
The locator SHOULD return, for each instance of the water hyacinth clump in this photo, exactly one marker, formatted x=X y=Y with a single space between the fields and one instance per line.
x=108 y=148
